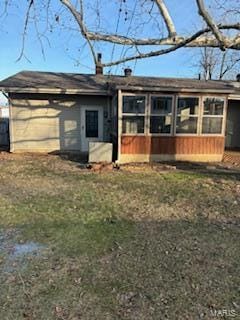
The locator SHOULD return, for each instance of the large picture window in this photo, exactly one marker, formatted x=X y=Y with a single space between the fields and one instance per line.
x=187 y=115
x=161 y=115
x=213 y=113
x=133 y=114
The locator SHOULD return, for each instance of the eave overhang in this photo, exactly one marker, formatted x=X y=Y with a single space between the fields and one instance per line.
x=174 y=89
x=56 y=91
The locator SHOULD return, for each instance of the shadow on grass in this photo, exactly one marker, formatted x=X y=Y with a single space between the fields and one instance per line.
x=78 y=157
x=217 y=171
x=210 y=170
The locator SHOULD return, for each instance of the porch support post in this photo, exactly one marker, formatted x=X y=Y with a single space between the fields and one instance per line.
x=119 y=115
x=225 y=111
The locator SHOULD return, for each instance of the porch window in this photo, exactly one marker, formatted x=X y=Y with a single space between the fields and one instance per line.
x=133 y=114
x=213 y=113
x=161 y=115
x=187 y=115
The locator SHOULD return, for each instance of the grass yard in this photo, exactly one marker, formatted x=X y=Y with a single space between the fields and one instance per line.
x=117 y=245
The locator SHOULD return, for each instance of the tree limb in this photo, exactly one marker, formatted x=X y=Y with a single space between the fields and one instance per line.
x=25 y=31
x=211 y=36
x=184 y=43
x=202 y=38
x=79 y=19
x=167 y=18
x=228 y=68
x=211 y=23
x=211 y=41
x=203 y=41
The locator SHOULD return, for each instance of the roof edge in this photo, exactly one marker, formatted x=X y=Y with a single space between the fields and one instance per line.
x=234 y=97
x=172 y=89
x=54 y=91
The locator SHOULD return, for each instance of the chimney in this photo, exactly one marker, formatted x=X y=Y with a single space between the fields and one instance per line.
x=99 y=68
x=238 y=77
x=127 y=72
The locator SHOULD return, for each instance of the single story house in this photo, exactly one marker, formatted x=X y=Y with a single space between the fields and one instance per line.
x=146 y=118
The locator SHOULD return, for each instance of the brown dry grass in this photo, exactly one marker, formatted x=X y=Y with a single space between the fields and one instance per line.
x=128 y=244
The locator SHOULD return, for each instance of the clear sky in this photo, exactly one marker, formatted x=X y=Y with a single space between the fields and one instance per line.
x=65 y=47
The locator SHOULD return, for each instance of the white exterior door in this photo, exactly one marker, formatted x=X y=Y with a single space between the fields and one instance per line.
x=91 y=125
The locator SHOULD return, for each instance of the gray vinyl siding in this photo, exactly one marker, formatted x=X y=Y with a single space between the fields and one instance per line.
x=47 y=123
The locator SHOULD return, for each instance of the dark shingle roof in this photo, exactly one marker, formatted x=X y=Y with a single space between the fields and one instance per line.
x=171 y=83
x=33 y=81
x=52 y=80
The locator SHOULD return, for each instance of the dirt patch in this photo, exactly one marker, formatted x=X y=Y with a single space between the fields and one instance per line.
x=101 y=167
x=75 y=163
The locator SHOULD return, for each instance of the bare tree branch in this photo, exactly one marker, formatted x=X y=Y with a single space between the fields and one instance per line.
x=228 y=67
x=224 y=36
x=6 y=4
x=79 y=19
x=39 y=36
x=167 y=18
x=210 y=22
x=229 y=7
x=25 y=30
x=215 y=64
x=222 y=71
x=200 y=42
x=199 y=39
x=181 y=44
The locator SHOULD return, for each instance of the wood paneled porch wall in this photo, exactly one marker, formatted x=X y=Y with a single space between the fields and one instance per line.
x=172 y=145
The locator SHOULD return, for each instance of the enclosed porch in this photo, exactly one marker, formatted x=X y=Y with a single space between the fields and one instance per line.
x=166 y=126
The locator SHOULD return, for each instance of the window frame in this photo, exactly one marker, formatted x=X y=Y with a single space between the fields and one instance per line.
x=198 y=116
x=128 y=94
x=174 y=115
x=160 y=115
x=223 y=116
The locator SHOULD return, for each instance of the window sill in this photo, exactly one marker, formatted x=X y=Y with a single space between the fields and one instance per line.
x=212 y=135
x=160 y=135
x=134 y=134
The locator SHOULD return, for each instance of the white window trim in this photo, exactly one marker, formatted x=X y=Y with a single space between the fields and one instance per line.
x=223 y=116
x=161 y=115
x=194 y=116
x=173 y=115
x=135 y=114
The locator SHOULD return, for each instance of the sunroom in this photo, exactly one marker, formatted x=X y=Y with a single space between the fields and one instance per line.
x=168 y=126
